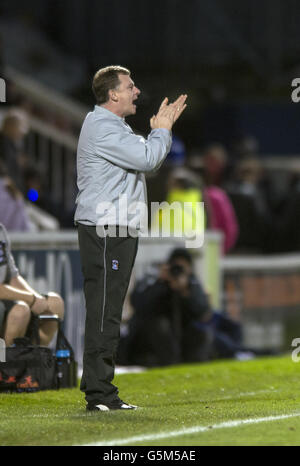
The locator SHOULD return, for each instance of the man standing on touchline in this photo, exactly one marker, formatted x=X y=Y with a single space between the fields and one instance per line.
x=111 y=161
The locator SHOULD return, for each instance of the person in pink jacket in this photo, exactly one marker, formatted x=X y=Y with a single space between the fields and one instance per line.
x=221 y=215
x=220 y=212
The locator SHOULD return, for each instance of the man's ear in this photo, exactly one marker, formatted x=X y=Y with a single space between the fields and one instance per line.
x=113 y=96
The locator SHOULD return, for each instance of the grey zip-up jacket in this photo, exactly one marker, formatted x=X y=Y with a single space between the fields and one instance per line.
x=111 y=161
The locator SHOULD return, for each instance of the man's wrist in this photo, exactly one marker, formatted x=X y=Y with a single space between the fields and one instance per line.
x=164 y=127
x=33 y=301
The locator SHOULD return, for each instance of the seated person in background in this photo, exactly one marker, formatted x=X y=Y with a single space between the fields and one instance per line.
x=183 y=190
x=19 y=302
x=12 y=207
x=173 y=321
x=14 y=128
x=36 y=180
x=251 y=207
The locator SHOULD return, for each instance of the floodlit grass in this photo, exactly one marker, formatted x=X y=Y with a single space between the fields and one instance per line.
x=171 y=399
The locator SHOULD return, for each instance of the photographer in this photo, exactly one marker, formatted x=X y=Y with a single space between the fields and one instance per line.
x=174 y=323
x=163 y=329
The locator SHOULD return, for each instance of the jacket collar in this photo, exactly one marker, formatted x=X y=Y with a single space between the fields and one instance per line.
x=107 y=113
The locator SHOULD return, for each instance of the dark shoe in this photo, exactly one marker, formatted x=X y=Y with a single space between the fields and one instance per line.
x=117 y=404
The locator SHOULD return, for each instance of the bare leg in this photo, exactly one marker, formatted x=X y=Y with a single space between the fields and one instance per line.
x=48 y=329
x=17 y=322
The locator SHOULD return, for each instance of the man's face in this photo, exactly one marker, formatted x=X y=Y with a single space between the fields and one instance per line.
x=182 y=262
x=126 y=95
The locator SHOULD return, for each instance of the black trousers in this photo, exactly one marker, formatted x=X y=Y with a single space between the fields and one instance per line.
x=107 y=264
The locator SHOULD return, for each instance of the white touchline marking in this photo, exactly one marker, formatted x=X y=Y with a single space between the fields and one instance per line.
x=239 y=395
x=191 y=430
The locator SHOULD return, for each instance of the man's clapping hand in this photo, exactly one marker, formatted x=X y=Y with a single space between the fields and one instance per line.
x=168 y=113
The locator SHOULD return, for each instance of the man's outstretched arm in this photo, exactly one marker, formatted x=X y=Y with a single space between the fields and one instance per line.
x=132 y=152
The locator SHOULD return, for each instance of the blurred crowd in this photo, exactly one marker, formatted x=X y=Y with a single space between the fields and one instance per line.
x=26 y=204
x=256 y=210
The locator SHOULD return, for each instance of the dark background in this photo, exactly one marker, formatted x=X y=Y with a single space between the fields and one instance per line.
x=236 y=59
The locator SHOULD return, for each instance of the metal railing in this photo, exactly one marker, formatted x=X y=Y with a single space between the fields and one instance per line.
x=52 y=150
x=46 y=98
x=54 y=154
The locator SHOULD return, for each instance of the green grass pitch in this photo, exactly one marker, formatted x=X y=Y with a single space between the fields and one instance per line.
x=207 y=397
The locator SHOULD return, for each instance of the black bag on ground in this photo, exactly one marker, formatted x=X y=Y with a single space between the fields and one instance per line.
x=30 y=367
